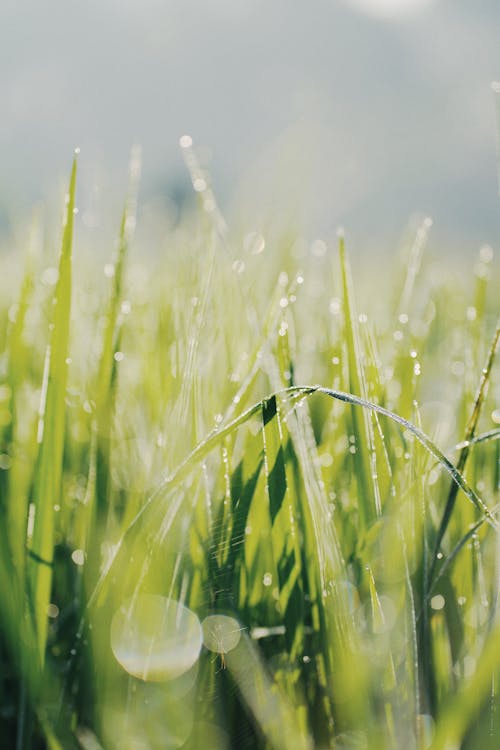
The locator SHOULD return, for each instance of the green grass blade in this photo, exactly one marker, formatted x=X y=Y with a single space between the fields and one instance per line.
x=367 y=492
x=48 y=477
x=464 y=453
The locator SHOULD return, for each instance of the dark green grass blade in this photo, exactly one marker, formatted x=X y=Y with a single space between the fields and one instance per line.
x=285 y=525
x=464 y=453
x=48 y=476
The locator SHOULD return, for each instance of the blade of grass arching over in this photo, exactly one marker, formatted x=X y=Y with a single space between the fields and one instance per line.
x=361 y=430
x=464 y=453
x=446 y=464
x=292 y=395
x=51 y=427
x=484 y=437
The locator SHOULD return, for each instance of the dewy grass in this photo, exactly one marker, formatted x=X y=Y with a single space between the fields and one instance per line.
x=182 y=471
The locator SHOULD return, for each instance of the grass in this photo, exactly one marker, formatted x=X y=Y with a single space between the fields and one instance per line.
x=200 y=546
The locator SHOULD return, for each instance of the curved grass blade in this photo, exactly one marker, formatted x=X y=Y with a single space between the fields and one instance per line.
x=293 y=395
x=484 y=437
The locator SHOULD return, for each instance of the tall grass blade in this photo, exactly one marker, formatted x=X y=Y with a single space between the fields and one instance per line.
x=363 y=439
x=51 y=428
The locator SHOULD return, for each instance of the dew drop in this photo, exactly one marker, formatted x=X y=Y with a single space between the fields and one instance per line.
x=438 y=602
x=185 y=141
x=5 y=461
x=471 y=313
x=78 y=557
x=221 y=633
x=155 y=638
x=199 y=184
x=52 y=611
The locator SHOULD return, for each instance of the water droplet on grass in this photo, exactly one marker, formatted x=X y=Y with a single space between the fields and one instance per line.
x=438 y=602
x=185 y=141
x=199 y=184
x=486 y=254
x=254 y=243
x=5 y=461
x=471 y=313
x=221 y=633
x=78 y=556
x=155 y=638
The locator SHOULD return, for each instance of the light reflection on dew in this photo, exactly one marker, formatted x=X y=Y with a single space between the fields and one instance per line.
x=185 y=141
x=155 y=638
x=199 y=184
x=254 y=243
x=437 y=602
x=221 y=633
x=78 y=557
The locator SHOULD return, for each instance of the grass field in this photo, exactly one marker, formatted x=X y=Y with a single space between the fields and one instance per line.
x=244 y=505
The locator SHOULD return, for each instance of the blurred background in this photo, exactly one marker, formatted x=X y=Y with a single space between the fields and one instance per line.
x=362 y=113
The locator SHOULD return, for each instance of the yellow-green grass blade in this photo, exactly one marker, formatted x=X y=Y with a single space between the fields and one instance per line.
x=48 y=475
x=362 y=433
x=106 y=375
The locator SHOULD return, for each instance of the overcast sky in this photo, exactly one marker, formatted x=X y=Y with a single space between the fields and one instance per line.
x=339 y=111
